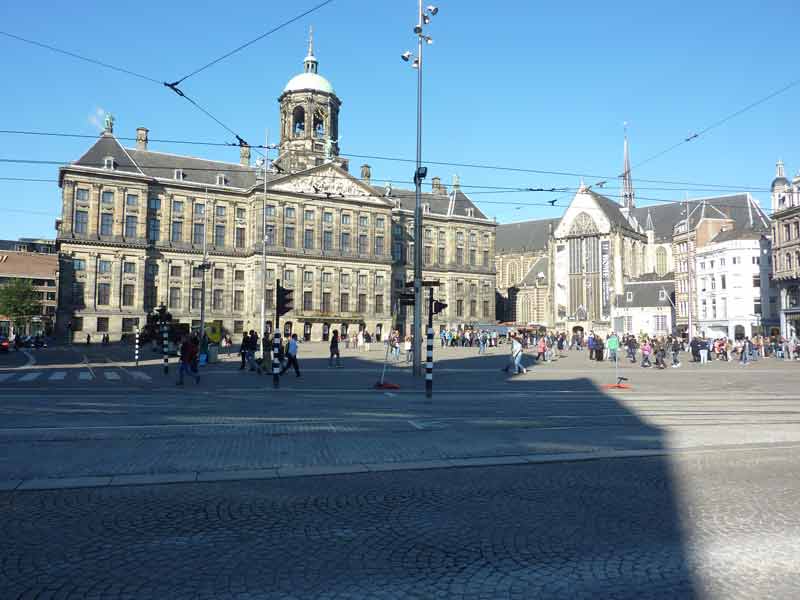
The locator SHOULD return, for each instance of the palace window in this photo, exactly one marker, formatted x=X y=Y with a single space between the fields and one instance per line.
x=129 y=267
x=199 y=233
x=238 y=300
x=103 y=293
x=132 y=200
x=106 y=223
x=217 y=301
x=81 y=221
x=127 y=294
x=107 y=197
x=130 y=226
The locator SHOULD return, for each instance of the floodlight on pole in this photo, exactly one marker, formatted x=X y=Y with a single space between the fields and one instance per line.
x=423 y=18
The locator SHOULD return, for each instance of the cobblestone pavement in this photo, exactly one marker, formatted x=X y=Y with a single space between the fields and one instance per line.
x=703 y=526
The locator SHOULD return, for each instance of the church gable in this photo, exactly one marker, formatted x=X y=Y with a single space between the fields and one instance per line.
x=328 y=181
x=584 y=216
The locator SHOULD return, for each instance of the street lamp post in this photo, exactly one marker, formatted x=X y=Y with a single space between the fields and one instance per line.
x=204 y=266
x=423 y=18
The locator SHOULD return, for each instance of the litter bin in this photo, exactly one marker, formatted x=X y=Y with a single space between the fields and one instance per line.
x=213 y=353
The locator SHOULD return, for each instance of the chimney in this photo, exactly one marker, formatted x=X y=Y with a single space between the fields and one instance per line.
x=244 y=155
x=437 y=187
x=456 y=183
x=141 y=138
x=366 y=173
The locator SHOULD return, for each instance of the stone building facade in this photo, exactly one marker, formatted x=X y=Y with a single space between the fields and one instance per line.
x=786 y=249
x=599 y=245
x=136 y=225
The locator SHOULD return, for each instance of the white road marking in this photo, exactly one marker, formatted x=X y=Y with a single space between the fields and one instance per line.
x=111 y=375
x=30 y=376
x=31 y=359
x=58 y=376
x=85 y=376
x=88 y=366
x=142 y=376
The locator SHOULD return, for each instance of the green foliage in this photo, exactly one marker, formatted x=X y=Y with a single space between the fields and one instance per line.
x=19 y=301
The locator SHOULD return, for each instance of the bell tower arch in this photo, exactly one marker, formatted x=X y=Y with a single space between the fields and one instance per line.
x=309 y=109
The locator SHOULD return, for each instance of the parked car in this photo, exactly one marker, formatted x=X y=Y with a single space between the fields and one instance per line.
x=5 y=345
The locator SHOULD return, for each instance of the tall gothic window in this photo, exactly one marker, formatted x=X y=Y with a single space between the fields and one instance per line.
x=661 y=261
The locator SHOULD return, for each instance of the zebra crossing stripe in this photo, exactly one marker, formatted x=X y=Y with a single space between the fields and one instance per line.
x=30 y=376
x=4 y=376
x=58 y=376
x=142 y=376
x=111 y=375
x=85 y=376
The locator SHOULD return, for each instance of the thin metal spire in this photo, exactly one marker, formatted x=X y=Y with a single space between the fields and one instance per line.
x=628 y=197
x=310 y=40
x=310 y=61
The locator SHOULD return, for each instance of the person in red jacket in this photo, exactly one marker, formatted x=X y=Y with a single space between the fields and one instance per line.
x=189 y=356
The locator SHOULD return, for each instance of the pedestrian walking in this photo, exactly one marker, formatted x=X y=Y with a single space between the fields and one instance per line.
x=613 y=346
x=188 y=364
x=335 y=349
x=291 y=356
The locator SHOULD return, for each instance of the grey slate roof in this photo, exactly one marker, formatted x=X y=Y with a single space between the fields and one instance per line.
x=532 y=277
x=666 y=216
x=438 y=203
x=645 y=291
x=196 y=170
x=737 y=234
x=105 y=146
x=612 y=211
x=162 y=165
x=530 y=236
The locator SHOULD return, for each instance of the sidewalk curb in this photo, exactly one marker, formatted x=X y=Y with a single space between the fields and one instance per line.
x=292 y=472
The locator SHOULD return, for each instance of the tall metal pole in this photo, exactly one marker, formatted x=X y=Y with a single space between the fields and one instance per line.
x=203 y=272
x=688 y=268
x=416 y=336
x=264 y=255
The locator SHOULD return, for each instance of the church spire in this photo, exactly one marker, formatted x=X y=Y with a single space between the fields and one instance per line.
x=779 y=172
x=310 y=61
x=628 y=197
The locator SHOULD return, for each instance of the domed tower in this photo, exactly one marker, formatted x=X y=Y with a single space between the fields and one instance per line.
x=780 y=188
x=309 y=119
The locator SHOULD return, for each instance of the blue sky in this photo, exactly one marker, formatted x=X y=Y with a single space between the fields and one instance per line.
x=523 y=84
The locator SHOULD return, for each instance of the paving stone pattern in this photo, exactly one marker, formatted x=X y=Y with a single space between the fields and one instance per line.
x=700 y=526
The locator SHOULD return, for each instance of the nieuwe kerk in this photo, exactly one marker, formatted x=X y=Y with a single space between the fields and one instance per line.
x=135 y=224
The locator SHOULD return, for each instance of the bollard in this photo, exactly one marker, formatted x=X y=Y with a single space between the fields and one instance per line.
x=276 y=362
x=165 y=345
x=136 y=347
x=429 y=365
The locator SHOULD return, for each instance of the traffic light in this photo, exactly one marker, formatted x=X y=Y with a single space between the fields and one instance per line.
x=285 y=300
x=438 y=307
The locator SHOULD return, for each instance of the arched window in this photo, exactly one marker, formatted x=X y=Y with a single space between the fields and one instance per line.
x=512 y=276
x=635 y=256
x=319 y=123
x=298 y=121
x=661 y=260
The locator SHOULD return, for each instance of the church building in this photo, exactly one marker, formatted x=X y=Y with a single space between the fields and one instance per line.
x=569 y=273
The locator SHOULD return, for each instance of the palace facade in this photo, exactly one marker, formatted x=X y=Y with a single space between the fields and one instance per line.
x=136 y=225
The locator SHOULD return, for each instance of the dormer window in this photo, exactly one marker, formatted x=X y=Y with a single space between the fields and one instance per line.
x=629 y=296
x=221 y=179
x=179 y=175
x=662 y=295
x=108 y=163
x=426 y=207
x=470 y=212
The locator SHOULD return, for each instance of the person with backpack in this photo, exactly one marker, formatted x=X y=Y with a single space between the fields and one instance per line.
x=291 y=356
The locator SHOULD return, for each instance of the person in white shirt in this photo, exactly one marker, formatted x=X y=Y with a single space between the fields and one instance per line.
x=291 y=356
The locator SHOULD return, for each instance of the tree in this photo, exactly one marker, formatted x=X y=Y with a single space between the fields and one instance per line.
x=19 y=301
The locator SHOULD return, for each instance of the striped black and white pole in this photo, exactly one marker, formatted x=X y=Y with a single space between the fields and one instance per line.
x=276 y=361
x=165 y=346
x=136 y=347
x=429 y=360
